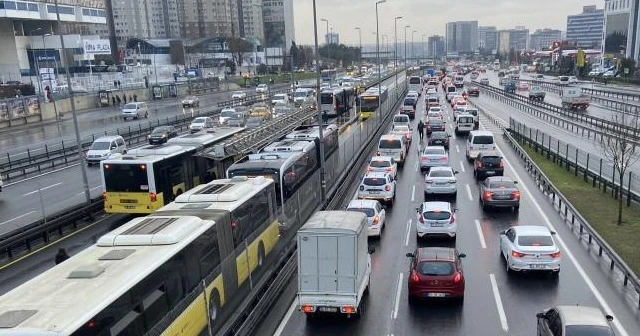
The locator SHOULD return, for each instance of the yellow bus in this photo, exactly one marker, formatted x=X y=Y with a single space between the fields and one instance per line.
x=370 y=100
x=181 y=271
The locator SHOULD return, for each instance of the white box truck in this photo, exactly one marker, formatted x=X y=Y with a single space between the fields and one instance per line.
x=574 y=99
x=334 y=266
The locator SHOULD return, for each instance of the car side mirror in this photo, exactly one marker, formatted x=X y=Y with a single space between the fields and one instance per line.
x=540 y=315
x=552 y=232
x=455 y=172
x=409 y=255
x=462 y=255
x=504 y=232
x=609 y=318
x=371 y=249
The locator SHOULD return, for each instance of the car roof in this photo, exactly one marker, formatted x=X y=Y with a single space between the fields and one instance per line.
x=528 y=230
x=108 y=138
x=436 y=205
x=436 y=253
x=381 y=158
x=376 y=175
x=580 y=315
x=362 y=204
x=482 y=133
x=499 y=179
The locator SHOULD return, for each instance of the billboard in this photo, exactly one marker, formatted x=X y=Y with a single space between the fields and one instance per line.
x=97 y=47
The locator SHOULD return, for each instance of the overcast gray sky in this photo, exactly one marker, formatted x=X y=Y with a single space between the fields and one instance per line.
x=428 y=16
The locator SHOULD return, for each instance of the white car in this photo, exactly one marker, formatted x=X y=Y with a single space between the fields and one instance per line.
x=401 y=119
x=413 y=94
x=280 y=98
x=375 y=214
x=436 y=219
x=484 y=81
x=201 y=123
x=262 y=88
x=434 y=115
x=135 y=110
x=403 y=130
x=225 y=114
x=530 y=248
x=431 y=91
x=440 y=181
x=433 y=156
x=378 y=186
x=573 y=79
x=239 y=94
x=383 y=164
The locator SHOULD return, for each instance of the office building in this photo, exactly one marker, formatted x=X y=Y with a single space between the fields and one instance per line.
x=519 y=38
x=435 y=46
x=504 y=44
x=542 y=39
x=487 y=39
x=616 y=27
x=250 y=15
x=633 y=32
x=332 y=38
x=147 y=19
x=278 y=23
x=585 y=29
x=206 y=19
x=462 y=37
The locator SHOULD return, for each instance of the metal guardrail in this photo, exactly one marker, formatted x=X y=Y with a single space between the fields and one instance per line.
x=573 y=217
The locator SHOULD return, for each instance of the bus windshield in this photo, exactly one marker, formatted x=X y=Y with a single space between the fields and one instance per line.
x=126 y=178
x=369 y=104
x=326 y=98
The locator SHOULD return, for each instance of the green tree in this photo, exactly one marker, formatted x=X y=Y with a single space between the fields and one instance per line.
x=238 y=47
x=229 y=64
x=614 y=42
x=628 y=63
x=261 y=69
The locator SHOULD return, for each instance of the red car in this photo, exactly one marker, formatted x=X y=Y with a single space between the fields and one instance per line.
x=436 y=272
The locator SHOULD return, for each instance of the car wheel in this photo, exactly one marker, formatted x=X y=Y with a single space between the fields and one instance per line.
x=509 y=270
x=515 y=208
x=146 y=114
x=484 y=207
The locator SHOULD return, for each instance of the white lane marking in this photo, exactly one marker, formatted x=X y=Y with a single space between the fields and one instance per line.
x=413 y=193
x=18 y=217
x=91 y=189
x=462 y=166
x=409 y=225
x=457 y=149
x=417 y=167
x=396 y=305
x=496 y=296
x=469 y=192
x=286 y=319
x=568 y=253
x=40 y=175
x=480 y=234
x=41 y=189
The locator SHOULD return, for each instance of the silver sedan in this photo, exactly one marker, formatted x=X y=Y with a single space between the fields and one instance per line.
x=499 y=191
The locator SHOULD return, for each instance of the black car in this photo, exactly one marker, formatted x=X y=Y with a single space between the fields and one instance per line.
x=410 y=101
x=488 y=164
x=439 y=138
x=162 y=134
x=474 y=91
x=435 y=126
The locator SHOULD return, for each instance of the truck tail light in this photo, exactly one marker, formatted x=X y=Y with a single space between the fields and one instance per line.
x=104 y=195
x=348 y=310
x=153 y=197
x=308 y=308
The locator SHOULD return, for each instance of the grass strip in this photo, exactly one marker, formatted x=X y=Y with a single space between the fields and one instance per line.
x=599 y=208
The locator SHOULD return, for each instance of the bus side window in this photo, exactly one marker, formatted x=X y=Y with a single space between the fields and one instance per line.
x=208 y=251
x=241 y=223
x=260 y=214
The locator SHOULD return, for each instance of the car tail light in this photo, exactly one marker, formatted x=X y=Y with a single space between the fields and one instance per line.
x=479 y=164
x=387 y=188
x=487 y=195
x=457 y=278
x=377 y=152
x=556 y=255
x=369 y=169
x=517 y=254
x=376 y=219
x=501 y=164
x=348 y=310
x=453 y=219
x=421 y=219
x=153 y=197
x=414 y=277
x=452 y=181
x=443 y=159
x=515 y=194
x=361 y=188
x=308 y=308
x=388 y=169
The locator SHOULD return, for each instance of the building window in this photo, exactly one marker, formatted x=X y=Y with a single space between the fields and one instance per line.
x=63 y=9
x=8 y=5
x=33 y=7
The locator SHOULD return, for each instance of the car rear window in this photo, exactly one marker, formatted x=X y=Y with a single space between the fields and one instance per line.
x=409 y=101
x=501 y=184
x=436 y=215
x=465 y=119
x=588 y=330
x=433 y=151
x=483 y=140
x=390 y=144
x=380 y=163
x=535 y=241
x=438 y=135
x=440 y=173
x=374 y=181
x=400 y=119
x=436 y=268
x=473 y=112
x=491 y=159
x=367 y=211
x=414 y=80
x=433 y=99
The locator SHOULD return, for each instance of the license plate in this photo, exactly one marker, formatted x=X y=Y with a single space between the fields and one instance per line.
x=537 y=266
x=437 y=225
x=374 y=192
x=130 y=207
x=434 y=160
x=328 y=309
x=441 y=184
x=436 y=295
x=490 y=172
x=502 y=197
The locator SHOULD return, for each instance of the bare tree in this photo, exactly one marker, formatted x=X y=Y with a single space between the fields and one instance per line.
x=620 y=147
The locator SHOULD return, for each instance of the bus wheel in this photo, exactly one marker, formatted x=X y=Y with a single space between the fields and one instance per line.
x=260 y=255
x=214 y=306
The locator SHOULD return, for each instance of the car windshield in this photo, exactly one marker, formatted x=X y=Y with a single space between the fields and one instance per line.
x=587 y=330
x=159 y=130
x=436 y=268
x=483 y=140
x=374 y=181
x=227 y=113
x=130 y=107
x=535 y=241
x=502 y=185
x=390 y=144
x=436 y=215
x=100 y=145
x=380 y=163
x=199 y=120
x=438 y=135
x=300 y=94
x=429 y=151
x=367 y=211
x=238 y=93
x=440 y=173
x=409 y=101
x=414 y=80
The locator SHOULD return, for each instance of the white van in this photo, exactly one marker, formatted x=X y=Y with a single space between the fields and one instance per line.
x=415 y=84
x=401 y=119
x=394 y=146
x=104 y=146
x=479 y=142
x=135 y=110
x=465 y=123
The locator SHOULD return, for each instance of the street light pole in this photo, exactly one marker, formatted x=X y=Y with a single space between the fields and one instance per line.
x=395 y=50
x=38 y=77
x=405 y=44
x=85 y=180
x=323 y=183
x=55 y=108
x=412 y=54
x=360 y=38
x=422 y=45
x=378 y=57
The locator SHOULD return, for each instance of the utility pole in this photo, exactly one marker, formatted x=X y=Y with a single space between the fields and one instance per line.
x=378 y=58
x=405 y=44
x=395 y=51
x=323 y=182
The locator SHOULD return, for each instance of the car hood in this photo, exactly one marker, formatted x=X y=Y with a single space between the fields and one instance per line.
x=97 y=151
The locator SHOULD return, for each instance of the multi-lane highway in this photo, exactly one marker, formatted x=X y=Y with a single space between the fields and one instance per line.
x=495 y=304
